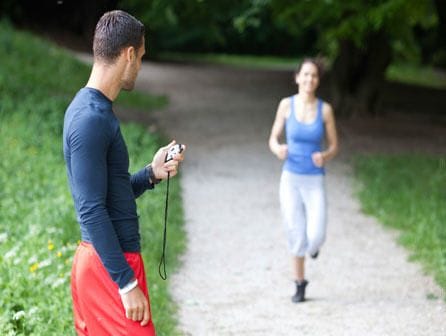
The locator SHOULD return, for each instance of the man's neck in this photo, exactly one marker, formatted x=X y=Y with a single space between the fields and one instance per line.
x=105 y=78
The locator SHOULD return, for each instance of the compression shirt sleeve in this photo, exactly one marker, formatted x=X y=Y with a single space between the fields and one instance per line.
x=89 y=139
x=140 y=182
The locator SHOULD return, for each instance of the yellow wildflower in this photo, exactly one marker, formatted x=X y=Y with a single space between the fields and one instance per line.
x=34 y=267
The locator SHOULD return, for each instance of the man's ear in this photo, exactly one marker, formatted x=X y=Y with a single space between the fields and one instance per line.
x=130 y=54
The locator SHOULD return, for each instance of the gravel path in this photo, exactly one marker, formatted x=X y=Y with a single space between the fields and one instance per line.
x=235 y=277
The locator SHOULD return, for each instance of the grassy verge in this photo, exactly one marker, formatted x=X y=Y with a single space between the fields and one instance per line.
x=403 y=73
x=409 y=193
x=244 y=61
x=417 y=75
x=38 y=231
x=134 y=99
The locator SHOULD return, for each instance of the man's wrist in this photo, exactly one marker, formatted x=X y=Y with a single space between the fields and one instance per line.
x=152 y=179
x=127 y=288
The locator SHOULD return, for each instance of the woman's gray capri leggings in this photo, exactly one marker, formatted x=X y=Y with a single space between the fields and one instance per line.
x=303 y=205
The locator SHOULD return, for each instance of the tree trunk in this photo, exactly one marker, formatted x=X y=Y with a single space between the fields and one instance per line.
x=357 y=75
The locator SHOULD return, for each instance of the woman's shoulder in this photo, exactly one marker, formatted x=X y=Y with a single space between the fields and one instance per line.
x=327 y=110
x=284 y=106
x=286 y=101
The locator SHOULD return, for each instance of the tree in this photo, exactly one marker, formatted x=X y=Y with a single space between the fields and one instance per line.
x=177 y=25
x=78 y=17
x=230 y=26
x=362 y=38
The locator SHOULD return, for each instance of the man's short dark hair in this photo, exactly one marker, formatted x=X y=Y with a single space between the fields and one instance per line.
x=114 y=31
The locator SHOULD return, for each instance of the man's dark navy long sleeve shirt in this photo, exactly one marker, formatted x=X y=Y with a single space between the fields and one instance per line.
x=103 y=191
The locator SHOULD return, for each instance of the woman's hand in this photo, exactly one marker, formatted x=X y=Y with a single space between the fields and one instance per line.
x=318 y=159
x=281 y=151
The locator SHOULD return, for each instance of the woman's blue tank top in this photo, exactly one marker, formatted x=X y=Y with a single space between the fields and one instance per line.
x=303 y=140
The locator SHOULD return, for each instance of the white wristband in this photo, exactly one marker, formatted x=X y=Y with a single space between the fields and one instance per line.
x=127 y=288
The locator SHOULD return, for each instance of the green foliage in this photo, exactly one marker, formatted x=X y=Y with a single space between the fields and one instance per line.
x=337 y=20
x=197 y=20
x=409 y=193
x=418 y=75
x=38 y=230
x=262 y=27
x=243 y=26
x=251 y=16
x=284 y=27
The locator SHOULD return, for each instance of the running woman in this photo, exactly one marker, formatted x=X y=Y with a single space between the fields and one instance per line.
x=307 y=121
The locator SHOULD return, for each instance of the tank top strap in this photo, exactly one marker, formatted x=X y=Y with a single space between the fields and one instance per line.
x=320 y=104
x=292 y=105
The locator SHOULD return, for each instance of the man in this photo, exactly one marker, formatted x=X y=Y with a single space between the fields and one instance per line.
x=108 y=284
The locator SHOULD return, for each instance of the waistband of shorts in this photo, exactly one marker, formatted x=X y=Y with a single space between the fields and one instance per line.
x=89 y=246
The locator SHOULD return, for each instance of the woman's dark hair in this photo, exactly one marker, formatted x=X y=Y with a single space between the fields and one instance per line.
x=114 y=31
x=316 y=61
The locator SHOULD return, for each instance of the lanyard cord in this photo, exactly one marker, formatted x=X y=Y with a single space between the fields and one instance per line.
x=162 y=263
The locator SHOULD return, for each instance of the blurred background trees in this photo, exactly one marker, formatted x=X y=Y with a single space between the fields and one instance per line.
x=362 y=38
x=358 y=39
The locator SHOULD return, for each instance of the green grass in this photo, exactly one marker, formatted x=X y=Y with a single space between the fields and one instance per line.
x=244 y=61
x=134 y=99
x=417 y=75
x=403 y=73
x=38 y=230
x=408 y=193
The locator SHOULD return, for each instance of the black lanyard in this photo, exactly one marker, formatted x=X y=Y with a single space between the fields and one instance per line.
x=162 y=264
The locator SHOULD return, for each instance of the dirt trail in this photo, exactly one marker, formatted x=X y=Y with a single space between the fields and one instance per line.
x=235 y=278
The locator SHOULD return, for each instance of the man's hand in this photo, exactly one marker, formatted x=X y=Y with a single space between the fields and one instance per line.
x=161 y=168
x=136 y=306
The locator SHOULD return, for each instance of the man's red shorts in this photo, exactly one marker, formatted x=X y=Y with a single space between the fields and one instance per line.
x=97 y=305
